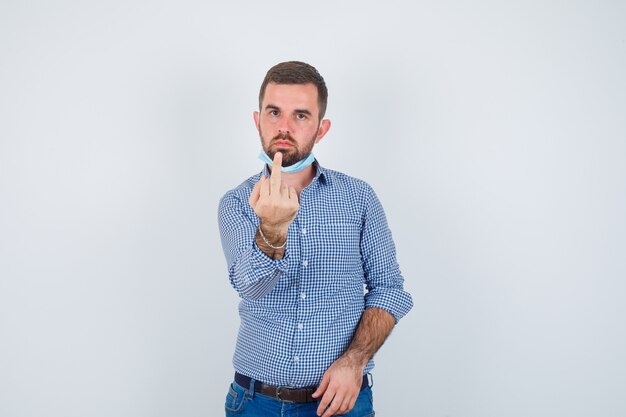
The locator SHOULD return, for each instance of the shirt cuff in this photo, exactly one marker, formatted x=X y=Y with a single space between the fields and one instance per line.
x=258 y=274
x=395 y=301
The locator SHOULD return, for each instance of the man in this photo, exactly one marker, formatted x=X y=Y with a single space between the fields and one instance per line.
x=301 y=242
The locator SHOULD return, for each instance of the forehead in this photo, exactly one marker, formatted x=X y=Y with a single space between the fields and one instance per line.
x=291 y=95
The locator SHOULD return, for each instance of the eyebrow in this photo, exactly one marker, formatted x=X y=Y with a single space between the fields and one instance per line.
x=275 y=107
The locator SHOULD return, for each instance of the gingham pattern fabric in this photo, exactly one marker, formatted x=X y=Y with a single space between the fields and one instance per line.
x=298 y=314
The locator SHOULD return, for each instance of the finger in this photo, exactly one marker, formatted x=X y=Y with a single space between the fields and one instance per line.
x=322 y=387
x=325 y=404
x=347 y=404
x=276 y=177
x=265 y=187
x=352 y=403
x=333 y=405
x=293 y=193
x=254 y=195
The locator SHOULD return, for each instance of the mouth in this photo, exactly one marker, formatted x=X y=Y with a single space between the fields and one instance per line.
x=283 y=144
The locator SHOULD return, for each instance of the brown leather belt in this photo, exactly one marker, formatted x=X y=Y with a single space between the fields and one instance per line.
x=292 y=395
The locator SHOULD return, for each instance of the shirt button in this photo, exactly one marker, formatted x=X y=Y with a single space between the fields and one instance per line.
x=305 y=263
x=304 y=230
x=296 y=359
x=300 y=326
x=302 y=295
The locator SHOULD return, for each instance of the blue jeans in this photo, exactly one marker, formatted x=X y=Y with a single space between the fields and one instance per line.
x=241 y=401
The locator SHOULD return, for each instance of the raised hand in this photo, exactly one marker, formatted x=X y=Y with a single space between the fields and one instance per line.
x=274 y=203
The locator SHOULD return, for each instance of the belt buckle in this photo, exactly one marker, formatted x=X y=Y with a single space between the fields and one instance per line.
x=279 y=391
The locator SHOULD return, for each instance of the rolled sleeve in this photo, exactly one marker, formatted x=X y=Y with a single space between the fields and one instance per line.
x=384 y=281
x=396 y=302
x=252 y=273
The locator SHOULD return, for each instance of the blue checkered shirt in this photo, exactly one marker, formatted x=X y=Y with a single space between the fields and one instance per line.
x=298 y=314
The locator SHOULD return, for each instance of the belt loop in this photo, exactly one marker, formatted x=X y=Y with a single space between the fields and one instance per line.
x=251 y=388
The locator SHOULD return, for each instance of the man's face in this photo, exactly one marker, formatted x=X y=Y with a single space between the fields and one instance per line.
x=288 y=121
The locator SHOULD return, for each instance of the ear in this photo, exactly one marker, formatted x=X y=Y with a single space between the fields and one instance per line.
x=321 y=131
x=256 y=120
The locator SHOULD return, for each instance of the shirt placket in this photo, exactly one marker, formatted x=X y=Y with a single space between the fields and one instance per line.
x=302 y=222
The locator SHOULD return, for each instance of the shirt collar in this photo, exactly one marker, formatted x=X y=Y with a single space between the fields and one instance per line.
x=321 y=174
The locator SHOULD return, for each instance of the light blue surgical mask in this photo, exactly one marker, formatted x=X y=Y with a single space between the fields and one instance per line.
x=297 y=167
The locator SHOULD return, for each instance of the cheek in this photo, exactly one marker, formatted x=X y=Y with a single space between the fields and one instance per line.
x=310 y=130
x=265 y=128
x=265 y=124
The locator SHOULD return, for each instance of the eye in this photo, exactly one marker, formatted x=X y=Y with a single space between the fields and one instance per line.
x=301 y=116
x=273 y=112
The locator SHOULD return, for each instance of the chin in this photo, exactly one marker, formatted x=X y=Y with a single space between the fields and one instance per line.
x=289 y=157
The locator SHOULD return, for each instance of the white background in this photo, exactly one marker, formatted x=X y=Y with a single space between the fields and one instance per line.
x=493 y=132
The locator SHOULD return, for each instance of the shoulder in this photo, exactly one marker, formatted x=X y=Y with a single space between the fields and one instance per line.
x=239 y=193
x=345 y=183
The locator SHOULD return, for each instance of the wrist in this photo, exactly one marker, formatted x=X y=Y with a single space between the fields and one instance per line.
x=273 y=240
x=355 y=359
x=274 y=231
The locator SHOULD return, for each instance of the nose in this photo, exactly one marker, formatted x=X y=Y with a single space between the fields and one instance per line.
x=284 y=126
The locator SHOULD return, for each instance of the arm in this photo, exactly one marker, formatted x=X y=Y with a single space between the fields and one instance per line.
x=385 y=303
x=341 y=383
x=256 y=264
x=276 y=205
x=270 y=241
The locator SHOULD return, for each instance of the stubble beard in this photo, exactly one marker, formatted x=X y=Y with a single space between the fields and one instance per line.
x=290 y=155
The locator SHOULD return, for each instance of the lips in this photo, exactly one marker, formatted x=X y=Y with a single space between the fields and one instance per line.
x=282 y=143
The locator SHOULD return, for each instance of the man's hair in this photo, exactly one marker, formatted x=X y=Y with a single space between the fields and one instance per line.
x=296 y=72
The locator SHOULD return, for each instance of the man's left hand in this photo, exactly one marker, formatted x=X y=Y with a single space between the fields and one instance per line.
x=339 y=388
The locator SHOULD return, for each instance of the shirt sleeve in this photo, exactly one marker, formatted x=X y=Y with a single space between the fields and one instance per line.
x=251 y=272
x=385 y=289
